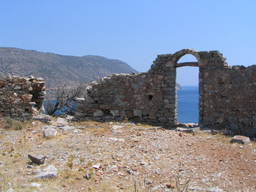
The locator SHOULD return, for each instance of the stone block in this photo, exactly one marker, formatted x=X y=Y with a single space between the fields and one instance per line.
x=137 y=113
x=98 y=113
x=115 y=112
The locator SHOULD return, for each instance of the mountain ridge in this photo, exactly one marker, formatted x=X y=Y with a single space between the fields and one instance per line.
x=59 y=69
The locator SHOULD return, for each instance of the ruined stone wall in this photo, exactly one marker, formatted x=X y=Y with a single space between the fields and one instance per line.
x=136 y=97
x=230 y=99
x=146 y=97
x=20 y=97
x=227 y=94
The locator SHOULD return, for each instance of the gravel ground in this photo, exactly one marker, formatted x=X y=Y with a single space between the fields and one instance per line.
x=93 y=156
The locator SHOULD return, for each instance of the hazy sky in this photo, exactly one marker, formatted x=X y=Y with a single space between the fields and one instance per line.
x=134 y=31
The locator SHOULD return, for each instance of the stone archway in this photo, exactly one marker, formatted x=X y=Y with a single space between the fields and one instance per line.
x=176 y=57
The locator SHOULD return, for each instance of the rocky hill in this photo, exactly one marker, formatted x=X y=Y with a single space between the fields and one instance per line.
x=59 y=69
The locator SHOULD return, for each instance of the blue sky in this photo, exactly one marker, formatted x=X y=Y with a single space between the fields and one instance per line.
x=134 y=31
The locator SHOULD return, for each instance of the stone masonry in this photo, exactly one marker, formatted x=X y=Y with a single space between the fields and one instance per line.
x=20 y=97
x=227 y=94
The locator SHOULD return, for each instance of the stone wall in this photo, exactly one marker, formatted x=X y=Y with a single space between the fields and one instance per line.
x=146 y=97
x=229 y=99
x=125 y=96
x=20 y=97
x=227 y=94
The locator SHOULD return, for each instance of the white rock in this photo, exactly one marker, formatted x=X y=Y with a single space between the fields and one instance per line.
x=48 y=172
x=113 y=168
x=116 y=129
x=96 y=166
x=117 y=126
x=10 y=190
x=35 y=185
x=210 y=189
x=49 y=132
x=156 y=188
x=80 y=99
x=116 y=139
x=66 y=128
x=61 y=122
x=131 y=172
x=77 y=131
x=148 y=181
x=214 y=189
x=70 y=118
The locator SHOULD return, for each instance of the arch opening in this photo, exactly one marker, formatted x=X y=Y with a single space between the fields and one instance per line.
x=187 y=60
x=187 y=93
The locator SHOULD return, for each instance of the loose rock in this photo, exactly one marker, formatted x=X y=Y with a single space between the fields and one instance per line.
x=66 y=128
x=35 y=185
x=148 y=181
x=43 y=118
x=240 y=139
x=48 y=172
x=10 y=190
x=61 y=122
x=87 y=176
x=37 y=159
x=49 y=131
x=96 y=166
x=185 y=130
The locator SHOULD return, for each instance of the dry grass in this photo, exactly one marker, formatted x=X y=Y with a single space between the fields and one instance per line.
x=12 y=124
x=93 y=127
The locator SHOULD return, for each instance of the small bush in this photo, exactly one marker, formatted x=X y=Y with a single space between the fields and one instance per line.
x=63 y=100
x=12 y=124
x=8 y=123
x=70 y=163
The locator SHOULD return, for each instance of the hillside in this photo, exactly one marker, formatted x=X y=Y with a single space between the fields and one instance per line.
x=59 y=69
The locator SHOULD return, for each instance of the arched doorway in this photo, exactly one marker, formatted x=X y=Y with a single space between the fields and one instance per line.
x=187 y=94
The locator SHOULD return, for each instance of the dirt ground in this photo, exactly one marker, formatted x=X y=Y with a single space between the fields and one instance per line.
x=112 y=156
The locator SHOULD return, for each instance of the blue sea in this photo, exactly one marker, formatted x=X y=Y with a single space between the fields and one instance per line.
x=188 y=104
